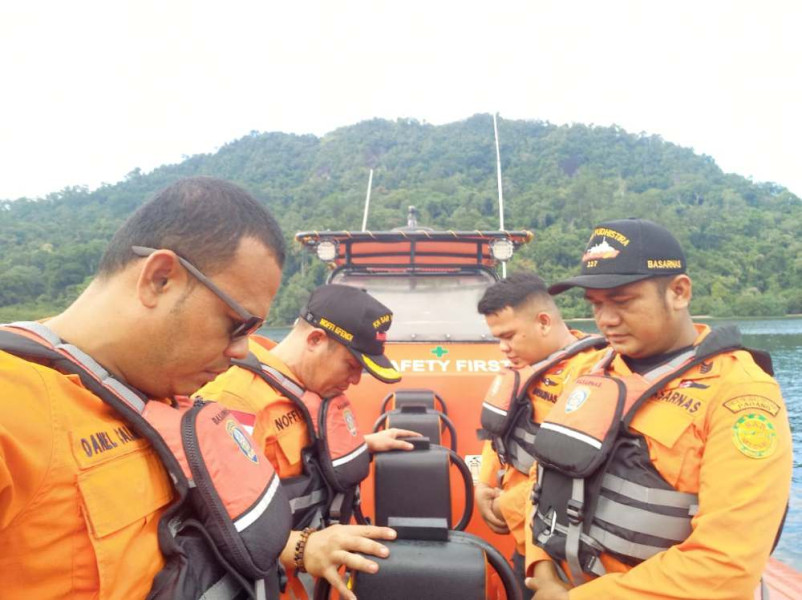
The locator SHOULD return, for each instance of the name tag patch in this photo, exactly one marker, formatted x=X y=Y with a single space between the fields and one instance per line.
x=103 y=442
x=752 y=402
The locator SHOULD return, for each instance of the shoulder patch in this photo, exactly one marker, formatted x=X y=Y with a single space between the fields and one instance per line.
x=245 y=446
x=755 y=436
x=752 y=402
x=576 y=399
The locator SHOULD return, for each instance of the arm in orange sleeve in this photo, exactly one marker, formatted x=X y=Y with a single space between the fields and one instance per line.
x=742 y=498
x=26 y=438
x=491 y=465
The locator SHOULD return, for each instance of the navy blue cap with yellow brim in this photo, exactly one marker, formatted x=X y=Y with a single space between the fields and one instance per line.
x=379 y=366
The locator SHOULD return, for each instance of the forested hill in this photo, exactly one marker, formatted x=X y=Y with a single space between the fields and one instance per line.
x=742 y=239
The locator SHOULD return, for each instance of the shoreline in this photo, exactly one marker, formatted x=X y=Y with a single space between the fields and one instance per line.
x=708 y=318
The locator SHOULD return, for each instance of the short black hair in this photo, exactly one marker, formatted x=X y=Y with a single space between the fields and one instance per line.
x=515 y=291
x=201 y=219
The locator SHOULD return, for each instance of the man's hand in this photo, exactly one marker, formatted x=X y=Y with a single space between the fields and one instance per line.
x=387 y=439
x=547 y=583
x=485 y=497
x=328 y=549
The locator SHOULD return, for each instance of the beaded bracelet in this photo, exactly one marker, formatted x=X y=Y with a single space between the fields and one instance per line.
x=300 y=548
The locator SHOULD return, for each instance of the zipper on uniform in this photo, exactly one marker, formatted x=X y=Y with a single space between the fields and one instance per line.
x=202 y=478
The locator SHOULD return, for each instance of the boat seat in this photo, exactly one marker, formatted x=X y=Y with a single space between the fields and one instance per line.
x=417 y=483
x=429 y=562
x=420 y=410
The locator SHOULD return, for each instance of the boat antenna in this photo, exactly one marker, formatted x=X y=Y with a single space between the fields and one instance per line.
x=367 y=202
x=500 y=193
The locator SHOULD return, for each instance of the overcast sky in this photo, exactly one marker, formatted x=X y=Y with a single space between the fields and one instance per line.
x=90 y=90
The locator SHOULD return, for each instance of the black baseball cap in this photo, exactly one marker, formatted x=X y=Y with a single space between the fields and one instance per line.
x=358 y=321
x=625 y=251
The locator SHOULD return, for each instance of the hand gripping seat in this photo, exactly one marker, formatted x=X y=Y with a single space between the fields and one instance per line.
x=427 y=561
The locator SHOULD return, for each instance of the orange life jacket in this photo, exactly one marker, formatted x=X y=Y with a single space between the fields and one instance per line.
x=598 y=491
x=334 y=463
x=507 y=417
x=230 y=519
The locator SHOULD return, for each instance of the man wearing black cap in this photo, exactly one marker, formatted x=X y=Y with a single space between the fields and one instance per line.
x=691 y=489
x=339 y=332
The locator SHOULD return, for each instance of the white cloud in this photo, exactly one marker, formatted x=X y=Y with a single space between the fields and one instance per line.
x=94 y=89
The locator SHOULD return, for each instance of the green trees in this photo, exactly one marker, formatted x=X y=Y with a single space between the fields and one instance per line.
x=742 y=238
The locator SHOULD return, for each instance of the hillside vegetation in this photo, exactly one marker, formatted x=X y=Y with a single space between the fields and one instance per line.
x=742 y=238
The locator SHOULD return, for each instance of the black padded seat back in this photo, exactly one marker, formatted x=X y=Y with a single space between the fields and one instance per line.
x=425 y=570
x=412 y=483
x=417 y=418
x=421 y=397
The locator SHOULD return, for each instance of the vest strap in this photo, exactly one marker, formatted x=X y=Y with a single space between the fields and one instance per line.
x=647 y=495
x=336 y=509
x=226 y=588
x=638 y=520
x=518 y=457
x=89 y=363
x=261 y=590
x=307 y=501
x=619 y=545
x=523 y=434
x=563 y=530
x=576 y=516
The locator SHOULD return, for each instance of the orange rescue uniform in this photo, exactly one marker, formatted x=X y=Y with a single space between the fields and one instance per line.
x=719 y=431
x=80 y=493
x=515 y=486
x=279 y=428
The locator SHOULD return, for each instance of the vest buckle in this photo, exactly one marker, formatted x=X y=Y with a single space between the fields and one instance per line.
x=574 y=509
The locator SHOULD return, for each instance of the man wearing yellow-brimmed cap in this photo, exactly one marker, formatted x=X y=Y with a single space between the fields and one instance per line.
x=290 y=393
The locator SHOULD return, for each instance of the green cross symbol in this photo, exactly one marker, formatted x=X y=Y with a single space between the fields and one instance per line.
x=439 y=351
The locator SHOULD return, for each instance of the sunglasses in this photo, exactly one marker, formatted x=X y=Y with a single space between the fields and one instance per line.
x=248 y=323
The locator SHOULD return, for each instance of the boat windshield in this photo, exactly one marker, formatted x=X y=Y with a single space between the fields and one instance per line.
x=428 y=307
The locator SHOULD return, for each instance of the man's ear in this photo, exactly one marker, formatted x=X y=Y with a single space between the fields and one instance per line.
x=315 y=339
x=543 y=320
x=159 y=274
x=680 y=292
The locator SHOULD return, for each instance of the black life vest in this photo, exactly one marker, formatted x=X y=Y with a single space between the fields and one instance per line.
x=335 y=461
x=223 y=533
x=507 y=416
x=598 y=491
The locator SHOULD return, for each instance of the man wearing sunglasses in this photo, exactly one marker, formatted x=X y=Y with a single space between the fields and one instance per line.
x=181 y=285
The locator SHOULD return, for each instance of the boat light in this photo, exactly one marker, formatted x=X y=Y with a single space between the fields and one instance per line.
x=501 y=249
x=327 y=250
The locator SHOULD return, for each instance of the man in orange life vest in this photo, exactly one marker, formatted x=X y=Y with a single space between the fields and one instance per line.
x=520 y=312
x=81 y=494
x=692 y=493
x=340 y=332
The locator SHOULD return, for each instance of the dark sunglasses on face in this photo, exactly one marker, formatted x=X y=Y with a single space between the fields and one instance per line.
x=248 y=323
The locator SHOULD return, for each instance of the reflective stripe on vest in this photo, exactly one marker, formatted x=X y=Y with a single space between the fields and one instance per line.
x=337 y=459
x=636 y=513
x=248 y=524
x=507 y=412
